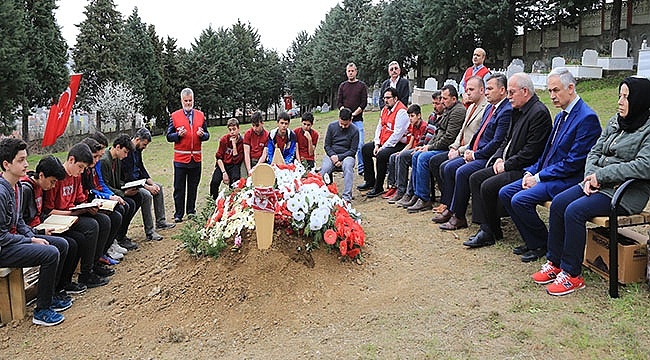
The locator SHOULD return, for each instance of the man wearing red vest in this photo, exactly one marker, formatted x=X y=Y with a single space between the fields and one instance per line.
x=187 y=129
x=390 y=137
x=477 y=69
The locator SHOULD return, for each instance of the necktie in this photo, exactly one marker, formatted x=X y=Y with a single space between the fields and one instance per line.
x=487 y=120
x=557 y=130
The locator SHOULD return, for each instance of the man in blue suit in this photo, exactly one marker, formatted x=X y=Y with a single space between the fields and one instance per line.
x=575 y=131
x=455 y=173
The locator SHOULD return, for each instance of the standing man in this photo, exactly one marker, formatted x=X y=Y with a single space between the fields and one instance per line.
x=561 y=165
x=477 y=69
x=395 y=81
x=187 y=129
x=152 y=192
x=390 y=137
x=353 y=94
x=341 y=143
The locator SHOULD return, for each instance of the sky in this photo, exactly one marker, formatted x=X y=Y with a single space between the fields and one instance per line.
x=277 y=22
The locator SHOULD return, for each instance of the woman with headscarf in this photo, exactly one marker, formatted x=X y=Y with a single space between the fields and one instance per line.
x=622 y=152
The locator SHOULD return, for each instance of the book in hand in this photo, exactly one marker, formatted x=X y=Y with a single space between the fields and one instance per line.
x=102 y=204
x=134 y=184
x=57 y=223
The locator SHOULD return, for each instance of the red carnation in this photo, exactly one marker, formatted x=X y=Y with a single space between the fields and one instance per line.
x=330 y=237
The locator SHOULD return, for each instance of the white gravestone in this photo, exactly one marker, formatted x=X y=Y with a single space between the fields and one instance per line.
x=589 y=57
x=558 y=61
x=452 y=82
x=589 y=68
x=643 y=68
x=619 y=59
x=516 y=66
x=431 y=84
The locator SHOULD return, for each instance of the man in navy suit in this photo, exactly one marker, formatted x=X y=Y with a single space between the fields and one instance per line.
x=455 y=173
x=575 y=131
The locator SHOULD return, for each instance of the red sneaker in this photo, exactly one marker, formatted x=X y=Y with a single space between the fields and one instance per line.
x=389 y=194
x=547 y=275
x=565 y=284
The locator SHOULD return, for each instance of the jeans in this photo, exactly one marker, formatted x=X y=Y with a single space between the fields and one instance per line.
x=421 y=175
x=359 y=126
x=569 y=212
x=152 y=202
x=49 y=257
x=348 y=174
x=404 y=162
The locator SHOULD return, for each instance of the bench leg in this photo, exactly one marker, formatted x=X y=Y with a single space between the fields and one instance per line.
x=5 y=302
x=17 y=294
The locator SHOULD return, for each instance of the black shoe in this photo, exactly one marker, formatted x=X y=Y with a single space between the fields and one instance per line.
x=520 y=250
x=127 y=244
x=178 y=220
x=102 y=270
x=482 y=238
x=365 y=186
x=374 y=193
x=533 y=254
x=92 y=280
x=75 y=288
x=165 y=226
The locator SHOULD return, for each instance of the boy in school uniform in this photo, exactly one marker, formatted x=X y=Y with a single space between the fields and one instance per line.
x=66 y=194
x=306 y=138
x=230 y=155
x=19 y=246
x=255 y=141
x=48 y=171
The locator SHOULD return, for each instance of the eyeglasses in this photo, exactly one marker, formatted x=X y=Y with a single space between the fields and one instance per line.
x=513 y=91
x=395 y=68
x=388 y=97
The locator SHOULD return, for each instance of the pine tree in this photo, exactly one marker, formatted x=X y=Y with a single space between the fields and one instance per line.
x=13 y=64
x=46 y=55
x=99 y=53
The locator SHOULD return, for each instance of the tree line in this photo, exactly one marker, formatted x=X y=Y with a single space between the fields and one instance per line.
x=228 y=67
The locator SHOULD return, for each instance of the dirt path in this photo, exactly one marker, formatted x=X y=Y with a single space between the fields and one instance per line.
x=419 y=294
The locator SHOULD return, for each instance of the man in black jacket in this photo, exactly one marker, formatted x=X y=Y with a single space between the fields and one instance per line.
x=529 y=129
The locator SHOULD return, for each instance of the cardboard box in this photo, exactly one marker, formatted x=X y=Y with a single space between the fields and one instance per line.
x=632 y=258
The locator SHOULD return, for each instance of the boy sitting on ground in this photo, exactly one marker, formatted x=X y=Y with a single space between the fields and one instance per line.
x=306 y=138
x=229 y=158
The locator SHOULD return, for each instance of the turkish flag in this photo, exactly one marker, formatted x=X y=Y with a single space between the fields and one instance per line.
x=57 y=121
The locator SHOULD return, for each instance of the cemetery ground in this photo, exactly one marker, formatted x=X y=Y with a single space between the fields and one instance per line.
x=418 y=294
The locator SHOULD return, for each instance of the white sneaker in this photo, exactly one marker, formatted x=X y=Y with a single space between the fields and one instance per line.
x=117 y=248
x=114 y=255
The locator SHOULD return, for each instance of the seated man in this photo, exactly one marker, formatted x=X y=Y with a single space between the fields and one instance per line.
x=561 y=165
x=111 y=169
x=448 y=128
x=530 y=125
x=341 y=143
x=19 y=246
x=482 y=146
x=283 y=139
x=306 y=138
x=473 y=115
x=229 y=157
x=152 y=193
x=390 y=137
x=404 y=161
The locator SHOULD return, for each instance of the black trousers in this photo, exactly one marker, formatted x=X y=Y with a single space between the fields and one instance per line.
x=186 y=178
x=234 y=173
x=487 y=209
x=381 y=163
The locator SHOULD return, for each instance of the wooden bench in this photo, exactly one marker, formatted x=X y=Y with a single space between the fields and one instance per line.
x=613 y=222
x=12 y=295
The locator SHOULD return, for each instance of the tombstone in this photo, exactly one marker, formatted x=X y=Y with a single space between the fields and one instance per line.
x=325 y=108
x=590 y=57
x=643 y=67
x=558 y=61
x=431 y=84
x=619 y=48
x=516 y=66
x=619 y=59
x=375 y=97
x=452 y=82
x=538 y=67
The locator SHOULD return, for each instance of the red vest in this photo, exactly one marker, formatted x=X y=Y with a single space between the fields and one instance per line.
x=480 y=73
x=388 y=121
x=189 y=146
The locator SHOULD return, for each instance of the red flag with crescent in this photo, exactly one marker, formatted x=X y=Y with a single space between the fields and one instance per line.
x=57 y=121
